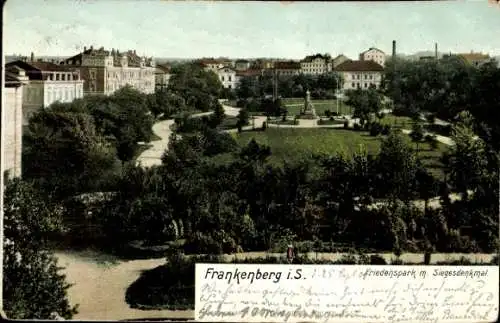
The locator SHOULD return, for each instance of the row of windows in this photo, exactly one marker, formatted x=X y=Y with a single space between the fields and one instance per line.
x=358 y=77
x=64 y=95
x=229 y=78
x=366 y=85
x=60 y=77
x=129 y=74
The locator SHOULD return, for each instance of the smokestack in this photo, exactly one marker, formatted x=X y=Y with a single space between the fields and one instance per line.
x=32 y=57
x=436 y=50
x=393 y=49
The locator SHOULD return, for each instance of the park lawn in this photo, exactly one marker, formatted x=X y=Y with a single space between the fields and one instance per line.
x=295 y=144
x=321 y=106
x=397 y=122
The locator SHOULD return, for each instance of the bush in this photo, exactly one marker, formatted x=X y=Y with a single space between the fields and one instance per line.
x=357 y=126
x=328 y=113
x=216 y=243
x=264 y=125
x=375 y=129
x=346 y=124
x=386 y=130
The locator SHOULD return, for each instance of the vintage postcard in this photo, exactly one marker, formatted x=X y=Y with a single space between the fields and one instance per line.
x=250 y=161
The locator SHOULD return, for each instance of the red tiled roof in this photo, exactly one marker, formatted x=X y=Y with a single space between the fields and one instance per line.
x=249 y=73
x=38 y=66
x=163 y=68
x=290 y=65
x=359 y=66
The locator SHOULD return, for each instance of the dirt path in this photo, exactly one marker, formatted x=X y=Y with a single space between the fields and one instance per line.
x=100 y=286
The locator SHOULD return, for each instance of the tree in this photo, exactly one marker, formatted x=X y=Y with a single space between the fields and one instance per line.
x=69 y=143
x=243 y=117
x=33 y=286
x=466 y=160
x=417 y=134
x=397 y=167
x=218 y=116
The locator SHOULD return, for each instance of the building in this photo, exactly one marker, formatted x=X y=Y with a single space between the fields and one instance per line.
x=360 y=74
x=475 y=59
x=106 y=71
x=162 y=77
x=339 y=60
x=242 y=65
x=287 y=68
x=316 y=64
x=12 y=123
x=48 y=83
x=262 y=64
x=211 y=64
x=228 y=77
x=373 y=54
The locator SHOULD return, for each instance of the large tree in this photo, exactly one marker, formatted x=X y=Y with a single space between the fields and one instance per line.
x=33 y=287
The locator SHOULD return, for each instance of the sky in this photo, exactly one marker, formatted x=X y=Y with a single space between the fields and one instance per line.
x=190 y=29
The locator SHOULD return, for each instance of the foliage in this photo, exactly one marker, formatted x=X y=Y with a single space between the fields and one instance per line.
x=33 y=286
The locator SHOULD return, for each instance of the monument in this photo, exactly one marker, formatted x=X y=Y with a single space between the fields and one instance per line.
x=308 y=112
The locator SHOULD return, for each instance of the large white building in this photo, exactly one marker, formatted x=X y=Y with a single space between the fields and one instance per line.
x=48 y=83
x=316 y=65
x=373 y=54
x=360 y=74
x=106 y=71
x=12 y=123
x=228 y=77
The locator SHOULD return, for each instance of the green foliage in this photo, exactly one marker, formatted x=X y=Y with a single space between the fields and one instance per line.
x=69 y=143
x=364 y=102
x=33 y=286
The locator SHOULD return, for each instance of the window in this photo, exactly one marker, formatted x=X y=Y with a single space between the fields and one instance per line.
x=229 y=86
x=230 y=79
x=57 y=76
x=358 y=77
x=353 y=85
x=366 y=77
x=222 y=77
x=371 y=77
x=366 y=84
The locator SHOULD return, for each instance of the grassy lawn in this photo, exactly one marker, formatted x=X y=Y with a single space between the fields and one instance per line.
x=397 y=122
x=321 y=106
x=298 y=144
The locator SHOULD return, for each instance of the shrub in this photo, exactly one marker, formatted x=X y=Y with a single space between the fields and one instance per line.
x=264 y=125
x=357 y=126
x=346 y=124
x=328 y=113
x=375 y=129
x=386 y=130
x=331 y=119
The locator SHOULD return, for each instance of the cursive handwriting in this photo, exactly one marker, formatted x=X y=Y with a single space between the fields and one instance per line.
x=336 y=293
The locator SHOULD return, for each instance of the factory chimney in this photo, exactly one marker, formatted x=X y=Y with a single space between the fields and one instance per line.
x=393 y=49
x=32 y=56
x=436 y=51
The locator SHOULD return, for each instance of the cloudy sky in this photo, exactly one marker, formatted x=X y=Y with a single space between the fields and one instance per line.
x=248 y=29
